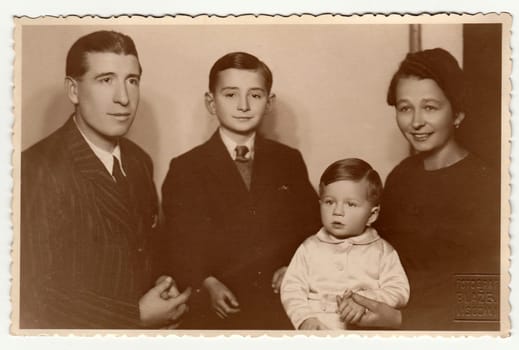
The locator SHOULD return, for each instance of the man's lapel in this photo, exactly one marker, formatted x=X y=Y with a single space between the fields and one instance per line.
x=142 y=187
x=90 y=167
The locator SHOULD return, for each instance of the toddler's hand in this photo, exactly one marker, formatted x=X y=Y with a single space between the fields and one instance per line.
x=378 y=314
x=349 y=311
x=312 y=324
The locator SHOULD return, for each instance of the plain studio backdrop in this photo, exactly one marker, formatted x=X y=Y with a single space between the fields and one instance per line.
x=330 y=83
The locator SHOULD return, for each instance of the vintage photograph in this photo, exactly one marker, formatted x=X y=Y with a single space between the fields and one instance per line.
x=262 y=175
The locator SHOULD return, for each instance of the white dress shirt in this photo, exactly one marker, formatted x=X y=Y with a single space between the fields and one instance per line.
x=231 y=145
x=104 y=156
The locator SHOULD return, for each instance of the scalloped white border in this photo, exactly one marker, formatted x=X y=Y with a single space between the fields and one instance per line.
x=379 y=18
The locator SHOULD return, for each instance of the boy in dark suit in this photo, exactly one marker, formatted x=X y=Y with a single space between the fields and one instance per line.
x=237 y=206
x=89 y=205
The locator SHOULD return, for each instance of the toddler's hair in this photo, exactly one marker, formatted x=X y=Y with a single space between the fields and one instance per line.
x=353 y=169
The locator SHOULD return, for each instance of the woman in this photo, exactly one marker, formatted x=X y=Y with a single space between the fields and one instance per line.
x=440 y=208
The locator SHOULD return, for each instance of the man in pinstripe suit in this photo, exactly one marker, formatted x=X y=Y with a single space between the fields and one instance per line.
x=89 y=205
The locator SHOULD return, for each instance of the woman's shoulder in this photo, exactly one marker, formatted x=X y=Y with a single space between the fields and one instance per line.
x=476 y=173
x=473 y=163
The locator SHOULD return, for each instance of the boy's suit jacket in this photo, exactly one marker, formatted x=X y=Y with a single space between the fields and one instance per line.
x=85 y=252
x=219 y=228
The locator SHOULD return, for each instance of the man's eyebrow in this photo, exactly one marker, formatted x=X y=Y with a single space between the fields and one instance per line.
x=104 y=74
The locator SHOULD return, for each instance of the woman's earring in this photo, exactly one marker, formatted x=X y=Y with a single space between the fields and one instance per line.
x=456 y=125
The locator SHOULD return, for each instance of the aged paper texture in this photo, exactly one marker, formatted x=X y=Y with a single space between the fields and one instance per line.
x=83 y=258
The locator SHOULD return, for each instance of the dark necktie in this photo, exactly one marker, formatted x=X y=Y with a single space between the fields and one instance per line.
x=120 y=180
x=243 y=164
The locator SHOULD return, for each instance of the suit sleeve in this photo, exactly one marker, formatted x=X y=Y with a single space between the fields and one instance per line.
x=305 y=208
x=48 y=297
x=186 y=223
x=309 y=201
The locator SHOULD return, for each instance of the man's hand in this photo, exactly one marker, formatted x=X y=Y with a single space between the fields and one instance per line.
x=172 y=292
x=312 y=324
x=156 y=311
x=278 y=278
x=223 y=300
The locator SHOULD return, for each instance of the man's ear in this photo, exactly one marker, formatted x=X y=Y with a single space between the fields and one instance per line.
x=71 y=89
x=373 y=216
x=209 y=103
x=270 y=102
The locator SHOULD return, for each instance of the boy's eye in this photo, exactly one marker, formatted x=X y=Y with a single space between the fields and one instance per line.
x=430 y=108
x=328 y=202
x=351 y=204
x=257 y=96
x=229 y=94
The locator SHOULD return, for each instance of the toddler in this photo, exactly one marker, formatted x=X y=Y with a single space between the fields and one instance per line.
x=345 y=256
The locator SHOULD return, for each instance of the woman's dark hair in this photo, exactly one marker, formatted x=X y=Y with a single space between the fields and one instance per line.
x=239 y=60
x=436 y=64
x=353 y=169
x=100 y=41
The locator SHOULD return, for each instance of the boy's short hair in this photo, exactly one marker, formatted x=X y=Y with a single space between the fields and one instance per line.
x=353 y=169
x=436 y=64
x=239 y=60
x=100 y=41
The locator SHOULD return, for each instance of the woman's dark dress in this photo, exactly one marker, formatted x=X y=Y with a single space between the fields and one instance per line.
x=445 y=225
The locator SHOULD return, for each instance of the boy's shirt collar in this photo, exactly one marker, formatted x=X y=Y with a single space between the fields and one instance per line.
x=369 y=235
x=230 y=145
x=104 y=156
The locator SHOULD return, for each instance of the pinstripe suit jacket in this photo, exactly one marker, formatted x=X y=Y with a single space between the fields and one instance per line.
x=219 y=228
x=85 y=254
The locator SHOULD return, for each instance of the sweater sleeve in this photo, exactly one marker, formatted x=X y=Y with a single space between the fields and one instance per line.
x=295 y=288
x=393 y=284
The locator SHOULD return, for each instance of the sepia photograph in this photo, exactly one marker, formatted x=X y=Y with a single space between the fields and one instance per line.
x=251 y=175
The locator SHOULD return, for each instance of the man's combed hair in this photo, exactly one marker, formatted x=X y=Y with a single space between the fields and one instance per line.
x=100 y=41
x=239 y=60
x=354 y=169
